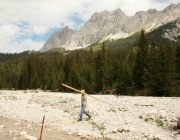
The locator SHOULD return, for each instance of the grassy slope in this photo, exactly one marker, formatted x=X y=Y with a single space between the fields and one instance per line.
x=57 y=50
x=115 y=43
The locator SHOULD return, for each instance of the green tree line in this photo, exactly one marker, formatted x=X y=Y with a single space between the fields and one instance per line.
x=147 y=70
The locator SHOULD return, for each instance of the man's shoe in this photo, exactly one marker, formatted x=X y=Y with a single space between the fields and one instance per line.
x=79 y=120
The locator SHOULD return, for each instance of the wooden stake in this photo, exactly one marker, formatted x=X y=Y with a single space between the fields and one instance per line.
x=42 y=127
x=81 y=92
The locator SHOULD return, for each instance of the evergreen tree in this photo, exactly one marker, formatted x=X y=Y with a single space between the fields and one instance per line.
x=24 y=77
x=67 y=66
x=92 y=78
x=140 y=70
x=178 y=67
x=61 y=78
x=100 y=69
x=90 y=58
x=41 y=71
x=73 y=78
x=170 y=68
x=124 y=80
x=109 y=69
x=55 y=82
x=160 y=87
x=34 y=80
x=3 y=83
x=153 y=67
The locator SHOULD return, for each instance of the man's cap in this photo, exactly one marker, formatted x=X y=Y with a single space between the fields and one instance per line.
x=83 y=90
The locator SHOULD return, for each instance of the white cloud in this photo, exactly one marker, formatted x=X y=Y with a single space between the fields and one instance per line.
x=26 y=44
x=21 y=19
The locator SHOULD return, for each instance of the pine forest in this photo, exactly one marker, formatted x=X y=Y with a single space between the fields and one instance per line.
x=146 y=69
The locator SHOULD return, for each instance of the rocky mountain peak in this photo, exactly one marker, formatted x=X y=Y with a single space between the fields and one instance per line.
x=118 y=12
x=58 y=38
x=152 y=11
x=168 y=8
x=111 y=23
x=66 y=27
x=106 y=15
x=139 y=12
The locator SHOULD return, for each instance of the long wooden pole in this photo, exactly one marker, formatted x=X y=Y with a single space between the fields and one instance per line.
x=81 y=92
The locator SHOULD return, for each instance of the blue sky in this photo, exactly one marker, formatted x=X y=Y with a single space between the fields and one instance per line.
x=27 y=24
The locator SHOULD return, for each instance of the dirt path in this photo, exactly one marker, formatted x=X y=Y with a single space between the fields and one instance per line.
x=10 y=130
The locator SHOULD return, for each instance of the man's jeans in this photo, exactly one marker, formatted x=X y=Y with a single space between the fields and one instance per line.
x=83 y=111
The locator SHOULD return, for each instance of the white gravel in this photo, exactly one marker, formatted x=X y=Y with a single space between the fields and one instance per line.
x=120 y=117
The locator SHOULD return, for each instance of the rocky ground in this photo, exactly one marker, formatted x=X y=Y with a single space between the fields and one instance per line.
x=11 y=129
x=118 y=118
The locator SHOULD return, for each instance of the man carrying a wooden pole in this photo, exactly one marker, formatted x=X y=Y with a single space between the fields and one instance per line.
x=83 y=106
x=83 y=101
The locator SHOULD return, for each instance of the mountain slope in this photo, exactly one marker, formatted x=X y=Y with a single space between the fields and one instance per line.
x=116 y=25
x=169 y=32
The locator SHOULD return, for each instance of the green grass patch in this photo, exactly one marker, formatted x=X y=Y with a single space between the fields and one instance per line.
x=100 y=127
x=148 y=119
x=159 y=122
x=111 y=110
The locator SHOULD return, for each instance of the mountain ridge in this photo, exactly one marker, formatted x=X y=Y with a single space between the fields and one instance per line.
x=114 y=24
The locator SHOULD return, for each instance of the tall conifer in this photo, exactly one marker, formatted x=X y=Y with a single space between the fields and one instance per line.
x=140 y=69
x=178 y=67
